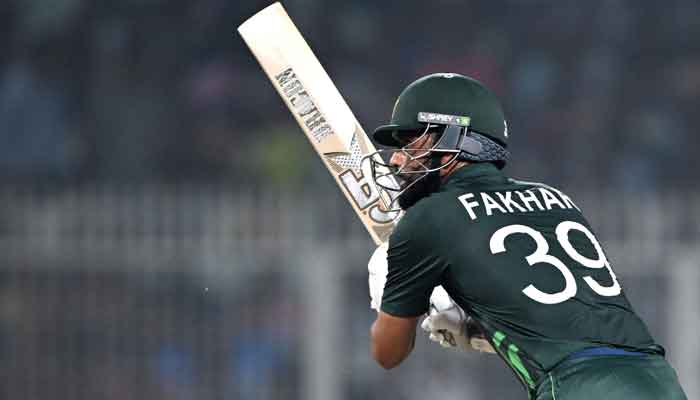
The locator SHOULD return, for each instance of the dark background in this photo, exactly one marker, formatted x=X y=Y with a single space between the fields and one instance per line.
x=163 y=217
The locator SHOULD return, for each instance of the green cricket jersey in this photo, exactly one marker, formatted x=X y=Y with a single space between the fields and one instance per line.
x=522 y=260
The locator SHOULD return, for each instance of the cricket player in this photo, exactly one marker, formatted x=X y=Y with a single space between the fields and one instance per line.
x=519 y=264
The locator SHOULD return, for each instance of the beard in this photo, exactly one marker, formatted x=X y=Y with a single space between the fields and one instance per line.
x=422 y=186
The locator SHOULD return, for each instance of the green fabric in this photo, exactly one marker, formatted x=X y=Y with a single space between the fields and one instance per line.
x=414 y=269
x=510 y=356
x=517 y=364
x=443 y=240
x=612 y=378
x=451 y=94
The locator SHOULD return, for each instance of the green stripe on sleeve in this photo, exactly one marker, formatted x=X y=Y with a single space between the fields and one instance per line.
x=518 y=365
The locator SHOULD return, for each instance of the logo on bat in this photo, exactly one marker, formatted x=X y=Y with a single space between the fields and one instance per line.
x=365 y=195
x=302 y=104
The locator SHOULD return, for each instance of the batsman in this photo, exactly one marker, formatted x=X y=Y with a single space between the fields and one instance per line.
x=517 y=269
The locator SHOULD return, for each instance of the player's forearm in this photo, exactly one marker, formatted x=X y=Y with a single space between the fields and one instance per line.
x=390 y=346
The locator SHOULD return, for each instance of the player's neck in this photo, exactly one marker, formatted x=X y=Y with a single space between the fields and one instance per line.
x=446 y=172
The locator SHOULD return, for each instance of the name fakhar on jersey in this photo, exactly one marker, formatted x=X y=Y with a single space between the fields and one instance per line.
x=513 y=201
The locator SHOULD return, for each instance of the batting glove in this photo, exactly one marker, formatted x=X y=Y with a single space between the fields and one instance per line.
x=378 y=268
x=448 y=325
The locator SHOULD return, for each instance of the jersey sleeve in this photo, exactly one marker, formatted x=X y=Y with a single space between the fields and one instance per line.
x=414 y=270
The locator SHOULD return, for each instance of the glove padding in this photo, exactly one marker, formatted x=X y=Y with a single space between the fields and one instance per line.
x=378 y=268
x=448 y=325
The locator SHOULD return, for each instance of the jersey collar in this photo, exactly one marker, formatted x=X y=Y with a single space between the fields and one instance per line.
x=473 y=173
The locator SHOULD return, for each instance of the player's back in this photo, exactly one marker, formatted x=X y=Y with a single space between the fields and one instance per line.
x=523 y=261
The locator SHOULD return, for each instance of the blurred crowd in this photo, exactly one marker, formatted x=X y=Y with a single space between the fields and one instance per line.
x=596 y=92
x=77 y=333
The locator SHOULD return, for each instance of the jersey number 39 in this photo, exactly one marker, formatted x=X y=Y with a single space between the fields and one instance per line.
x=541 y=255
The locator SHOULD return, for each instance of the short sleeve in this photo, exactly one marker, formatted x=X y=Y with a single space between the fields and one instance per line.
x=414 y=270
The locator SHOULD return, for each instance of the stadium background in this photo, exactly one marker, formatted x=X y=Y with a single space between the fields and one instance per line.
x=167 y=232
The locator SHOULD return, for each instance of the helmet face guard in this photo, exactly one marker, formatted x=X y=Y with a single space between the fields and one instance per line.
x=419 y=172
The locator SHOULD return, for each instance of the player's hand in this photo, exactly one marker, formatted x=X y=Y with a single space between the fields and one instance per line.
x=448 y=325
x=378 y=268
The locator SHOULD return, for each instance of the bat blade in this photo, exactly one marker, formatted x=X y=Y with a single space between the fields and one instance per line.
x=320 y=111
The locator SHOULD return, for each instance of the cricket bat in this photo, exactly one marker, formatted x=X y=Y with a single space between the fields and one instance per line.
x=321 y=112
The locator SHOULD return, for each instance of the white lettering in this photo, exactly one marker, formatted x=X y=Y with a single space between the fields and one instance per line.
x=550 y=199
x=566 y=199
x=469 y=205
x=530 y=198
x=508 y=201
x=538 y=198
x=491 y=204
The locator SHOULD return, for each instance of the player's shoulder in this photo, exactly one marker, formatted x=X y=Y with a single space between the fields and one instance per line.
x=530 y=184
x=414 y=220
x=425 y=217
x=542 y=188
